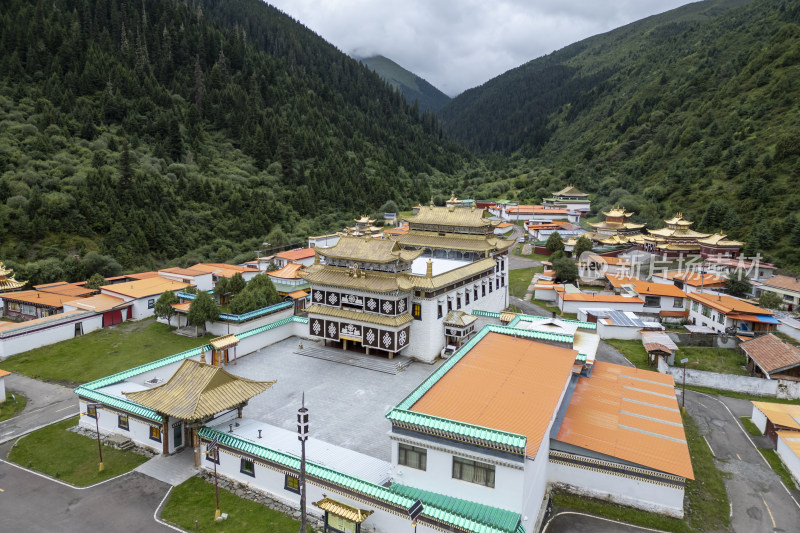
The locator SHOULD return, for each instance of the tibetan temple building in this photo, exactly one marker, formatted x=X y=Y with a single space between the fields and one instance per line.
x=569 y=198
x=616 y=228
x=678 y=239
x=387 y=296
x=7 y=281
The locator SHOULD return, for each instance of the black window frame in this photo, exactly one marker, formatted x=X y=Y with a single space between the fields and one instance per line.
x=290 y=488
x=158 y=429
x=475 y=464
x=416 y=311
x=245 y=461
x=91 y=411
x=127 y=425
x=212 y=455
x=151 y=303
x=404 y=449
x=440 y=309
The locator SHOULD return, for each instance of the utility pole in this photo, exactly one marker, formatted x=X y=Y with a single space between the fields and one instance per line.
x=96 y=406
x=683 y=395
x=302 y=436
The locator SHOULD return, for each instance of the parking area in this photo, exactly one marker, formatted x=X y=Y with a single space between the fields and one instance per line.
x=346 y=404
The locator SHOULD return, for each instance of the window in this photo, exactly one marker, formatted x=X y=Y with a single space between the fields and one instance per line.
x=416 y=311
x=247 y=467
x=79 y=329
x=213 y=455
x=458 y=302
x=721 y=318
x=91 y=411
x=706 y=312
x=155 y=433
x=502 y=281
x=497 y=283
x=449 y=305
x=490 y=285
x=151 y=303
x=413 y=457
x=466 y=297
x=695 y=306
x=122 y=422
x=439 y=311
x=788 y=298
x=473 y=471
x=476 y=294
x=483 y=290
x=678 y=302
x=652 y=301
x=292 y=484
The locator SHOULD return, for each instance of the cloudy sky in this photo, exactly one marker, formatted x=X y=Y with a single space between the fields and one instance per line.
x=459 y=44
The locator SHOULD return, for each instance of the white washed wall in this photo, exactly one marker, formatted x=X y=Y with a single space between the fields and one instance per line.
x=575 y=306
x=618 y=332
x=789 y=458
x=759 y=419
x=46 y=336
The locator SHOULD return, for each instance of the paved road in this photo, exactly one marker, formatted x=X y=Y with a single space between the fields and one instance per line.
x=760 y=503
x=33 y=504
x=47 y=403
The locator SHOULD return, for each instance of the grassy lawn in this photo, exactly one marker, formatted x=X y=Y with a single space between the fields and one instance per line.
x=633 y=350
x=741 y=396
x=519 y=280
x=101 y=353
x=705 y=503
x=71 y=457
x=547 y=306
x=194 y=500
x=536 y=257
x=777 y=465
x=12 y=406
x=749 y=426
x=721 y=360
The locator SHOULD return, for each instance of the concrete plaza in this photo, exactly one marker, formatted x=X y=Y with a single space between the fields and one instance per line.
x=346 y=404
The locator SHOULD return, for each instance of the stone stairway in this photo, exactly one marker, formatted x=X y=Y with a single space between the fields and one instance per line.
x=370 y=362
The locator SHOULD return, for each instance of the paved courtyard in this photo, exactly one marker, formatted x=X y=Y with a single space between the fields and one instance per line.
x=346 y=404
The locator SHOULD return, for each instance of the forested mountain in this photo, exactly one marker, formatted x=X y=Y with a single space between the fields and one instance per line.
x=412 y=86
x=183 y=130
x=695 y=110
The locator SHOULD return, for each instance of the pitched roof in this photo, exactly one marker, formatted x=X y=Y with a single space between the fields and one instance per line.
x=141 y=275
x=188 y=272
x=505 y=383
x=372 y=318
x=38 y=298
x=459 y=318
x=197 y=391
x=296 y=254
x=608 y=298
x=719 y=239
x=727 y=304
x=695 y=279
x=352 y=514
x=66 y=289
x=99 y=303
x=630 y=414
x=772 y=354
x=4 y=373
x=569 y=190
x=791 y=439
x=444 y=216
x=368 y=250
x=783 y=282
x=145 y=287
x=646 y=288
x=223 y=269
x=298 y=295
x=372 y=281
x=289 y=271
x=781 y=414
x=454 y=241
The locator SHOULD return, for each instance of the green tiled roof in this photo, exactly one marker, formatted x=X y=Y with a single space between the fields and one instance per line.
x=499 y=519
x=113 y=401
x=465 y=515
x=490 y=314
x=135 y=371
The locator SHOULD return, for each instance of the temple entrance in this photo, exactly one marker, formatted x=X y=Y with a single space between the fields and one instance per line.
x=355 y=346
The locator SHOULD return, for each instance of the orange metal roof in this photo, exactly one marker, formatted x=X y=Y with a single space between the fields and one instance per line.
x=222 y=269
x=631 y=414
x=42 y=298
x=694 y=279
x=4 y=373
x=684 y=313
x=503 y=383
x=505 y=225
x=68 y=289
x=294 y=255
x=298 y=295
x=99 y=303
x=781 y=414
x=142 y=275
x=728 y=304
x=609 y=298
x=145 y=287
x=646 y=288
x=290 y=271
x=182 y=307
x=189 y=272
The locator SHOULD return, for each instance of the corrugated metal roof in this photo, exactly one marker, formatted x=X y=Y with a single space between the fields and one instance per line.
x=630 y=414
x=341 y=277
x=505 y=383
x=197 y=390
x=780 y=414
x=345 y=511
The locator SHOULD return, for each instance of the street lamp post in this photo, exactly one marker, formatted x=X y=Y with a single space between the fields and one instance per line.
x=95 y=406
x=683 y=395
x=213 y=446
x=302 y=436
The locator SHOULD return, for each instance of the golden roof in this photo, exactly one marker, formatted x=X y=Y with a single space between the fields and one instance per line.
x=718 y=239
x=451 y=276
x=443 y=216
x=618 y=212
x=454 y=241
x=679 y=220
x=197 y=391
x=224 y=342
x=368 y=251
x=459 y=319
x=381 y=320
x=364 y=220
x=7 y=281
x=683 y=233
x=371 y=281
x=345 y=511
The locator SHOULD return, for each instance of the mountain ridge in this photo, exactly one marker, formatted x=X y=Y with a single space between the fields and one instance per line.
x=413 y=87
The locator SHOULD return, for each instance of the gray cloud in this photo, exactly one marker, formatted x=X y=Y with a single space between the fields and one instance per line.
x=459 y=44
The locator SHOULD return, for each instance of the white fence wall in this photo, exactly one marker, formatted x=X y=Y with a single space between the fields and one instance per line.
x=47 y=335
x=760 y=387
x=789 y=458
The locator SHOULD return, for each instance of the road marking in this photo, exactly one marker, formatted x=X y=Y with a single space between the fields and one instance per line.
x=709 y=446
x=2 y=490
x=704 y=405
x=65 y=408
x=739 y=456
x=632 y=526
x=774 y=525
x=730 y=504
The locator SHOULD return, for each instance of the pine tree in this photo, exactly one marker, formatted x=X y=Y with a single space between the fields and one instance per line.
x=198 y=86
